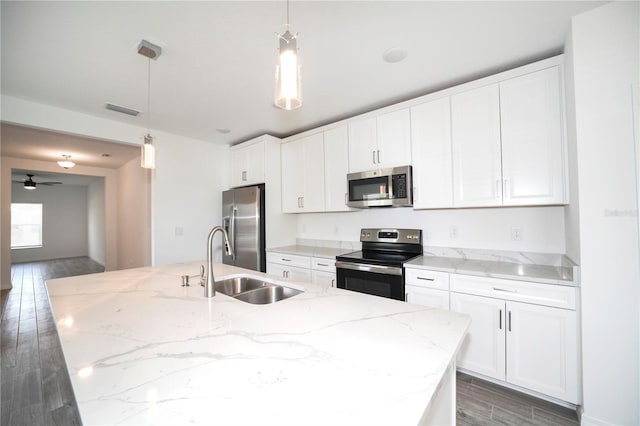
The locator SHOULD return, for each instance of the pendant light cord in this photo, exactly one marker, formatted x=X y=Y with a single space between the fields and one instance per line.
x=287 y=14
x=148 y=96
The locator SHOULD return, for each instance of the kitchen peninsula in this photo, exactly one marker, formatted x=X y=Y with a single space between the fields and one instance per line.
x=142 y=349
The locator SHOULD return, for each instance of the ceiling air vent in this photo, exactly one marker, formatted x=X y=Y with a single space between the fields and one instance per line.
x=124 y=110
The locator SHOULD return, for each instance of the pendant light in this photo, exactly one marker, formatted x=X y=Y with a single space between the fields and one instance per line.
x=288 y=93
x=148 y=151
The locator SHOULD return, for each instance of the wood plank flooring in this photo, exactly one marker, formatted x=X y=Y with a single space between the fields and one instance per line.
x=36 y=389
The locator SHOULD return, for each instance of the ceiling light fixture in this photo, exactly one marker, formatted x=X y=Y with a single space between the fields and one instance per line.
x=66 y=164
x=148 y=151
x=288 y=93
x=29 y=184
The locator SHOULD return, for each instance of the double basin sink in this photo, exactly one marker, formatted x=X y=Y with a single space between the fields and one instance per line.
x=254 y=290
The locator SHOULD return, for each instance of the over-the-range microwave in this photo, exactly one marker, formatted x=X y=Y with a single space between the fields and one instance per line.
x=390 y=187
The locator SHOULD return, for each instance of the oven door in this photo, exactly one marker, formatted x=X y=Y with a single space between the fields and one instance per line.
x=385 y=281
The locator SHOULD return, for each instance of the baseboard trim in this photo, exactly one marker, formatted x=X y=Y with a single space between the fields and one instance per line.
x=587 y=420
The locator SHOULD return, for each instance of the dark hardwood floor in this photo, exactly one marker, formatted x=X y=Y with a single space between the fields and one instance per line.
x=36 y=389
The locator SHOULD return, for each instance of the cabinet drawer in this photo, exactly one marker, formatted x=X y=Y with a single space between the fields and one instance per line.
x=427 y=279
x=520 y=291
x=322 y=264
x=289 y=260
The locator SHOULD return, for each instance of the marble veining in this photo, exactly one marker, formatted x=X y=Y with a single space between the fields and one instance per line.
x=141 y=349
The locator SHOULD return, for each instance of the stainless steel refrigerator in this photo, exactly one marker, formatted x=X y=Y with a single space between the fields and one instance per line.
x=243 y=219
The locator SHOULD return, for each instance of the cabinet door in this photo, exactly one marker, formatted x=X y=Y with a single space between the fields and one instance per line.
x=394 y=139
x=438 y=299
x=292 y=177
x=247 y=165
x=483 y=349
x=287 y=272
x=542 y=350
x=362 y=145
x=475 y=133
x=533 y=154
x=431 y=155
x=312 y=173
x=323 y=277
x=336 y=167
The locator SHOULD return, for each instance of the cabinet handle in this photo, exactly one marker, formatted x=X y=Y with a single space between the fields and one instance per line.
x=509 y=320
x=285 y=260
x=322 y=264
x=406 y=297
x=346 y=198
x=298 y=202
x=505 y=188
x=498 y=188
x=373 y=158
x=333 y=283
x=244 y=175
x=415 y=199
x=302 y=202
x=378 y=156
x=500 y=319
x=504 y=289
x=426 y=279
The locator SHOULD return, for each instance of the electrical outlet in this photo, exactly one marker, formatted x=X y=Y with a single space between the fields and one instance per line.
x=453 y=231
x=516 y=233
x=178 y=231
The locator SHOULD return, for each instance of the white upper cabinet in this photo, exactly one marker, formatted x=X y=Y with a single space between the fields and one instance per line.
x=394 y=139
x=532 y=139
x=247 y=164
x=380 y=142
x=508 y=142
x=431 y=154
x=303 y=175
x=336 y=168
x=362 y=145
x=475 y=117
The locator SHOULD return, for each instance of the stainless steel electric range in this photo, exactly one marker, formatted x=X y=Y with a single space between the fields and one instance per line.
x=377 y=268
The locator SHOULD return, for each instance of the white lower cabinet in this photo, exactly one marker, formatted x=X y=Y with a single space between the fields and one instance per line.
x=524 y=344
x=427 y=288
x=289 y=267
x=317 y=270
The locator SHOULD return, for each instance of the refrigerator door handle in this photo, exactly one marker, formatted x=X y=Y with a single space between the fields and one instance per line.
x=232 y=230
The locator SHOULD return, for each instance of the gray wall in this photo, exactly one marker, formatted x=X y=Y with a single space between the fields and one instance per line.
x=64 y=213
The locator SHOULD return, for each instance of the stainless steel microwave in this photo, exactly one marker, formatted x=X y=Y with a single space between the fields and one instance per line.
x=381 y=188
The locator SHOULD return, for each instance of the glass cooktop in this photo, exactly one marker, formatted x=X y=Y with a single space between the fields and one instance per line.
x=376 y=257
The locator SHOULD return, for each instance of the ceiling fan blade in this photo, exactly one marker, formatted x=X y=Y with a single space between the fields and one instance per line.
x=49 y=183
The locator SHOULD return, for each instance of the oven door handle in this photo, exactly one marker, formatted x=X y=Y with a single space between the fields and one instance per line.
x=377 y=269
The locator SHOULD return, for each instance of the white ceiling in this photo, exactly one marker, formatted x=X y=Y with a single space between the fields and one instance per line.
x=217 y=66
x=42 y=145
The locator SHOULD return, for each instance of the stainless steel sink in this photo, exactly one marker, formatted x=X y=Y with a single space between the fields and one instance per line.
x=266 y=295
x=237 y=285
x=254 y=290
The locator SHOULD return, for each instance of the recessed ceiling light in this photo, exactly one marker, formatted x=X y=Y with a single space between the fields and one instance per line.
x=224 y=131
x=393 y=55
x=106 y=155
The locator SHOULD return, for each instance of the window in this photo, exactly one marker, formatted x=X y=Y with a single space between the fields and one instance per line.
x=26 y=225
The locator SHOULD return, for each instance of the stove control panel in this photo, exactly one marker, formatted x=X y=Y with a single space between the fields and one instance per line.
x=375 y=235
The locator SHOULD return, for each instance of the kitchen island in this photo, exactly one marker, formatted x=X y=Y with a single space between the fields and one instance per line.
x=142 y=349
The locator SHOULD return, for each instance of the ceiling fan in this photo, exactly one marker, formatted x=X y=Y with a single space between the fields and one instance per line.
x=30 y=184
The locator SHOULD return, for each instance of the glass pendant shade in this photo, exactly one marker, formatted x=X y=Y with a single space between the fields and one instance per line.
x=148 y=153
x=288 y=94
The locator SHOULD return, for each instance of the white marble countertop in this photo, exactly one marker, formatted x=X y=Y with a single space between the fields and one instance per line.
x=311 y=251
x=541 y=268
x=141 y=349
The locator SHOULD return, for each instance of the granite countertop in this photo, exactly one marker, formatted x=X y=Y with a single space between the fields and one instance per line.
x=311 y=251
x=541 y=268
x=141 y=349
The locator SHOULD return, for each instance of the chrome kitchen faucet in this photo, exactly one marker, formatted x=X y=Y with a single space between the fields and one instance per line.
x=210 y=283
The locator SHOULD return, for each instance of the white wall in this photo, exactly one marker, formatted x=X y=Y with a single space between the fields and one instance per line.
x=542 y=227
x=64 y=221
x=96 y=221
x=605 y=45
x=189 y=178
x=134 y=215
